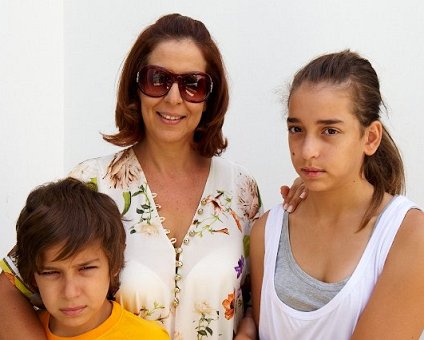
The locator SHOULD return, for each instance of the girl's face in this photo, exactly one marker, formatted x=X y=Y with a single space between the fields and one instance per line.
x=171 y=119
x=327 y=143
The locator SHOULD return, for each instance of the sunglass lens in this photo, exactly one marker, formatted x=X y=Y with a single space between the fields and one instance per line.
x=195 y=87
x=154 y=82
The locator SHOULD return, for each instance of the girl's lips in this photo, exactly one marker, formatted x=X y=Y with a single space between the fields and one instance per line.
x=312 y=172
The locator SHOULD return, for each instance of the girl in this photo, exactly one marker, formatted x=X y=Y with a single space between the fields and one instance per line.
x=349 y=262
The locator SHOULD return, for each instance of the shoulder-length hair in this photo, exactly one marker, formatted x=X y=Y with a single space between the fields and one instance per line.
x=208 y=139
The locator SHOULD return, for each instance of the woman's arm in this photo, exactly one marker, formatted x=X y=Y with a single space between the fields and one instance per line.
x=18 y=318
x=396 y=307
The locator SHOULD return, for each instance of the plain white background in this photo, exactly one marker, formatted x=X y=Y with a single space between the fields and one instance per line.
x=60 y=61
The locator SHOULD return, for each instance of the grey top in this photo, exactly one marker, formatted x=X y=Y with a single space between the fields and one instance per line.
x=293 y=286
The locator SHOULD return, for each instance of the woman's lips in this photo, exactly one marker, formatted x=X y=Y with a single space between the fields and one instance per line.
x=170 y=117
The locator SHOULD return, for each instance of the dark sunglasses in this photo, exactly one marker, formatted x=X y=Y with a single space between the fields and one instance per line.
x=156 y=81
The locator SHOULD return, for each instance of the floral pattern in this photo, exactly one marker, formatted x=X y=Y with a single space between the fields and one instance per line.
x=228 y=304
x=204 y=326
x=240 y=266
x=154 y=313
x=146 y=210
x=123 y=170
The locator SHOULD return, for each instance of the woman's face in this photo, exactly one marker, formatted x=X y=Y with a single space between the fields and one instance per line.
x=171 y=119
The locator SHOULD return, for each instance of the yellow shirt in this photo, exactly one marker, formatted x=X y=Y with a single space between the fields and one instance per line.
x=121 y=324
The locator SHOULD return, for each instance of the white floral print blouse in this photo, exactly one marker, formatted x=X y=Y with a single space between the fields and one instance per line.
x=195 y=290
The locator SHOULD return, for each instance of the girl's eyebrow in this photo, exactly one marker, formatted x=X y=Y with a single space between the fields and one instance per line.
x=320 y=122
x=329 y=121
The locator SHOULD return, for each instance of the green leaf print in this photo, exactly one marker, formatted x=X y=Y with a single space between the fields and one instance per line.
x=246 y=245
x=127 y=202
x=92 y=184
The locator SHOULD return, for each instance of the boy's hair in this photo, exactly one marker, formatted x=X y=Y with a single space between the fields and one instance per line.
x=74 y=214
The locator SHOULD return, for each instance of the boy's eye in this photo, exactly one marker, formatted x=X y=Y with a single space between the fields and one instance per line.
x=49 y=272
x=86 y=268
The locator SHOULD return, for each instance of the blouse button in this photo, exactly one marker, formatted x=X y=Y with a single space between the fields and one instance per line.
x=200 y=211
x=177 y=290
x=191 y=233
x=176 y=302
x=204 y=201
x=178 y=250
x=186 y=241
x=177 y=277
x=178 y=263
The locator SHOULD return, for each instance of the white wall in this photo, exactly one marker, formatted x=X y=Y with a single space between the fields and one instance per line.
x=49 y=128
x=31 y=104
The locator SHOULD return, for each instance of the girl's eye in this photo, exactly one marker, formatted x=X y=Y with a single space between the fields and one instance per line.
x=330 y=131
x=87 y=268
x=294 y=129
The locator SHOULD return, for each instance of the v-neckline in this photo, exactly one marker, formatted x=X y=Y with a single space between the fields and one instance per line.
x=155 y=211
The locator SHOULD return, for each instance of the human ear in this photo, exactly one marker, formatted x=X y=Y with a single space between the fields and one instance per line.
x=373 y=135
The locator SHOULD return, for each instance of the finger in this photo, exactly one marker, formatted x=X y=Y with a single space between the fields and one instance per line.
x=284 y=190
x=296 y=194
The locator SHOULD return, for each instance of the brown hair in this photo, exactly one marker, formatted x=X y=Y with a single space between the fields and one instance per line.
x=73 y=213
x=384 y=169
x=208 y=139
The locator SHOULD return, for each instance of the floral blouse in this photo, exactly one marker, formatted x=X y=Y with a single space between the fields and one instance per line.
x=195 y=290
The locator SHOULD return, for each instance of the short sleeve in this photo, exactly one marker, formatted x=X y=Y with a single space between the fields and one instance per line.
x=8 y=267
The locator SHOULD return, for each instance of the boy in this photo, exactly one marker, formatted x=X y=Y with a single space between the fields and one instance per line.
x=70 y=248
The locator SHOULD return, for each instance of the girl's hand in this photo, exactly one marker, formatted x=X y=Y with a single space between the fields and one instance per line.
x=293 y=196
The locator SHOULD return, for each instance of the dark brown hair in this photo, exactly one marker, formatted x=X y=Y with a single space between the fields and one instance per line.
x=384 y=169
x=73 y=213
x=208 y=138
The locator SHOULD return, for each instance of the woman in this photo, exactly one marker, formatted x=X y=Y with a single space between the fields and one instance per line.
x=187 y=213
x=349 y=262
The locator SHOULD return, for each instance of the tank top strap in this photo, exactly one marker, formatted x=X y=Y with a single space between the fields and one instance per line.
x=273 y=227
x=387 y=226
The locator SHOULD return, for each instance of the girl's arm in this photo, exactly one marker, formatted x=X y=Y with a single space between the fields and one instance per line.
x=257 y=263
x=396 y=307
x=249 y=326
x=18 y=318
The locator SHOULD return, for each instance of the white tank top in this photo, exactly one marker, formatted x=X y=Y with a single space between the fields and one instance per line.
x=337 y=319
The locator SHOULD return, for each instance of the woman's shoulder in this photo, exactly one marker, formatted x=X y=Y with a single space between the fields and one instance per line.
x=225 y=168
x=99 y=167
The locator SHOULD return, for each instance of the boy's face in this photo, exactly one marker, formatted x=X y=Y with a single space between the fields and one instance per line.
x=74 y=290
